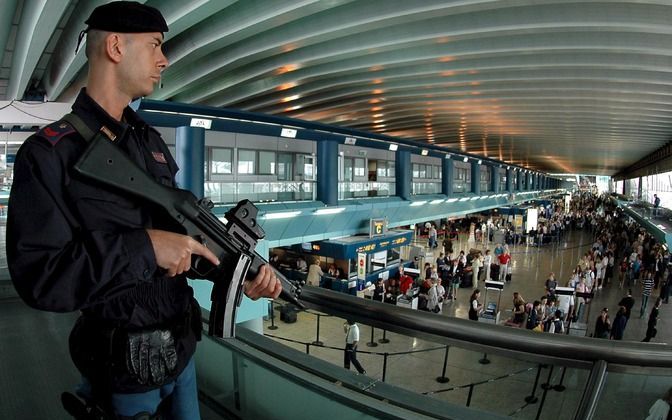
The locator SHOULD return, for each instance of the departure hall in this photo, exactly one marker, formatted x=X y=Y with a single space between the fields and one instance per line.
x=468 y=203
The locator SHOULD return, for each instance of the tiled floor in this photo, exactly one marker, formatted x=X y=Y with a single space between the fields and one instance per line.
x=513 y=379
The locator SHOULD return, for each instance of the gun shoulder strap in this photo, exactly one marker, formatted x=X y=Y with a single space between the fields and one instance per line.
x=78 y=124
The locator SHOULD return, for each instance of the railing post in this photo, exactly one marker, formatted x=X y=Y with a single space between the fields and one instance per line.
x=317 y=341
x=471 y=392
x=272 y=326
x=560 y=387
x=531 y=399
x=545 y=387
x=443 y=379
x=384 y=340
x=484 y=360
x=372 y=343
x=384 y=365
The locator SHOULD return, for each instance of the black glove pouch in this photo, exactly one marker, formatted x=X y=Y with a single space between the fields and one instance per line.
x=151 y=356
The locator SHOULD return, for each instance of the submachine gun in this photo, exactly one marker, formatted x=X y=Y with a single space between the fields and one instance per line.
x=233 y=243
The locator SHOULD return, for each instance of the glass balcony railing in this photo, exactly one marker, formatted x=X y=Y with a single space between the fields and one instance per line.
x=423 y=188
x=232 y=192
x=535 y=375
x=348 y=190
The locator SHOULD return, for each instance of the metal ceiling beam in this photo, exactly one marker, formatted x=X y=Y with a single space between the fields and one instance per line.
x=38 y=22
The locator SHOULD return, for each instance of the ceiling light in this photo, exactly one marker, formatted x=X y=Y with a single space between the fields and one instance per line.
x=329 y=210
x=393 y=147
x=480 y=161
x=350 y=140
x=466 y=159
x=281 y=215
x=288 y=132
x=290 y=98
x=447 y=156
x=436 y=201
x=424 y=152
x=418 y=203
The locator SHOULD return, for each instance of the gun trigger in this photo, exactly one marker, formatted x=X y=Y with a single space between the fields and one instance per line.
x=201 y=266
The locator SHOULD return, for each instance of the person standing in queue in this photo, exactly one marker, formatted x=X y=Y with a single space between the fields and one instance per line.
x=72 y=245
x=351 y=340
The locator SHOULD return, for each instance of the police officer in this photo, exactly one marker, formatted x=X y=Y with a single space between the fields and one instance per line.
x=72 y=245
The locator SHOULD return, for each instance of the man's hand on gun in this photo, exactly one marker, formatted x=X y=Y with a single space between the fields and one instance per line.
x=265 y=284
x=173 y=253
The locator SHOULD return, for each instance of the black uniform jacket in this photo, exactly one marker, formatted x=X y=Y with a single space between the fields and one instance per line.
x=72 y=244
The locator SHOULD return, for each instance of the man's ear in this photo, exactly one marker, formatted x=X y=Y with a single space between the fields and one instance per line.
x=114 y=47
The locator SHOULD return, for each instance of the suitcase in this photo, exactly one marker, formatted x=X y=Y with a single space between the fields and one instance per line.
x=494 y=272
x=508 y=277
x=288 y=314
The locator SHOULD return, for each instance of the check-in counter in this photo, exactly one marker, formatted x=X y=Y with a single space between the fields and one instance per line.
x=410 y=299
x=363 y=259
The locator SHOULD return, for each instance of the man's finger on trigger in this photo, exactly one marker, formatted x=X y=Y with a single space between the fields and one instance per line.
x=204 y=251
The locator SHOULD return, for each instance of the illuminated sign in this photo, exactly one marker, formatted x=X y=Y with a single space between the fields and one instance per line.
x=201 y=123
x=361 y=266
x=377 y=227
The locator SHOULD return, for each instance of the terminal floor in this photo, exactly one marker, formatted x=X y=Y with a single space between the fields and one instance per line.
x=629 y=396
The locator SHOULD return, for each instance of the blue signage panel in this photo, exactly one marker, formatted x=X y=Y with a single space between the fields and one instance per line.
x=347 y=248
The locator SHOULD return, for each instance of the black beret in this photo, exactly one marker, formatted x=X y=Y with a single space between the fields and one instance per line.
x=126 y=17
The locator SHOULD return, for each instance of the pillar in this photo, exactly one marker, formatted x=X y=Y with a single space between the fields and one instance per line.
x=190 y=157
x=447 y=177
x=475 y=177
x=327 y=172
x=402 y=174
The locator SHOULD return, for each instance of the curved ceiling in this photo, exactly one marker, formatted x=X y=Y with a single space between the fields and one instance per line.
x=556 y=86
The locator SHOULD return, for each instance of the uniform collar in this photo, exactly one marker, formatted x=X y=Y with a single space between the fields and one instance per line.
x=96 y=117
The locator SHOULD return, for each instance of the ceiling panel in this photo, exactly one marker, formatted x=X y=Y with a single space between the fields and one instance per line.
x=557 y=86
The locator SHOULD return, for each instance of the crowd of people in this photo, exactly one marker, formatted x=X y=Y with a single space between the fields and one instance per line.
x=645 y=264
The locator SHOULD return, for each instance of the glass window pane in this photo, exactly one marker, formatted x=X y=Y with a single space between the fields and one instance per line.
x=416 y=170
x=267 y=163
x=347 y=169
x=246 y=161
x=390 y=169
x=359 y=167
x=381 y=169
x=422 y=171
x=221 y=160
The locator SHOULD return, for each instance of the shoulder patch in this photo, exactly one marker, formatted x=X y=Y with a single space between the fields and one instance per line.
x=55 y=131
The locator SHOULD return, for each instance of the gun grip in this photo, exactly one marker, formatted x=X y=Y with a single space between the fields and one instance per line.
x=201 y=266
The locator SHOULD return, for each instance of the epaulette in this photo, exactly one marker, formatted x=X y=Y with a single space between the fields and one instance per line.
x=55 y=131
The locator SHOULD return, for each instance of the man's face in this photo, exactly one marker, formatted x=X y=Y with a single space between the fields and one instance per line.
x=143 y=63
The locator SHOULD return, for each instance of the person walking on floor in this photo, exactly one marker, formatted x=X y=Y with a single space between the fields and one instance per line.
x=647 y=287
x=618 y=326
x=603 y=324
x=351 y=339
x=653 y=321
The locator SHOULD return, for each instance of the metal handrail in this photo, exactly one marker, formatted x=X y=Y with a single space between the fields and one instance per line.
x=566 y=350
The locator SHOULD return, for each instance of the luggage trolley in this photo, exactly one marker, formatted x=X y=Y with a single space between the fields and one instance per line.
x=491 y=314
